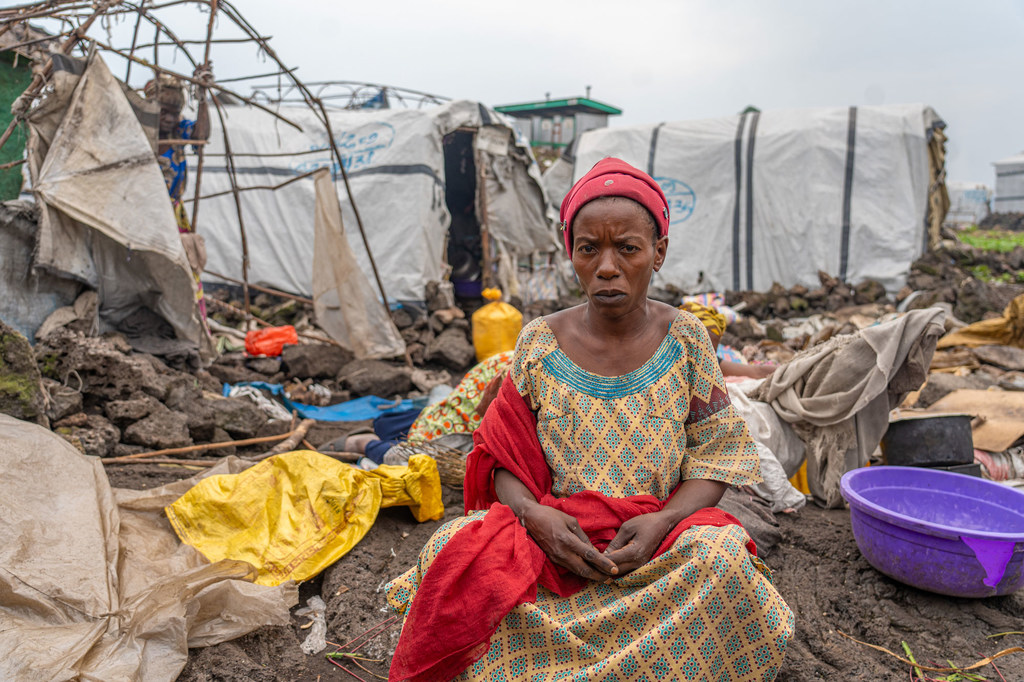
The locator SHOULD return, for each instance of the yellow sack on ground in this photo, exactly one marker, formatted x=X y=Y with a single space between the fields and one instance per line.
x=294 y=514
x=1007 y=330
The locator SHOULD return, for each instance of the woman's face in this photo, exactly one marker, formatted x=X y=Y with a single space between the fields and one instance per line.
x=614 y=254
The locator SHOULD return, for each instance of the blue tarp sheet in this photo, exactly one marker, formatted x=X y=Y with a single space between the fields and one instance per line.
x=367 y=407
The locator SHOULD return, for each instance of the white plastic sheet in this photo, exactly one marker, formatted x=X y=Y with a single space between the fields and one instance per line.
x=94 y=584
x=346 y=306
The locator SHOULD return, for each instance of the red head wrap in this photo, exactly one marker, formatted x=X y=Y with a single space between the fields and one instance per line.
x=614 y=178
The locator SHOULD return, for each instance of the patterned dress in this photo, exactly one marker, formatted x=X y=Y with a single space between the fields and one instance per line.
x=457 y=412
x=704 y=610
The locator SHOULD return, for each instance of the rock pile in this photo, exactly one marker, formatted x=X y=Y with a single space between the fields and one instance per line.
x=974 y=282
x=800 y=301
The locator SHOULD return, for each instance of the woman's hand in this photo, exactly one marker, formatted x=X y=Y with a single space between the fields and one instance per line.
x=562 y=540
x=634 y=544
x=637 y=539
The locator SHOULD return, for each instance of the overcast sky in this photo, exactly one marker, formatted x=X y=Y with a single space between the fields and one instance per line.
x=663 y=60
x=679 y=59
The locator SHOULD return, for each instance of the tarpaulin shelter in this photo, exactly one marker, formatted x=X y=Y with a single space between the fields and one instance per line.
x=76 y=202
x=419 y=178
x=105 y=220
x=776 y=196
x=1009 y=184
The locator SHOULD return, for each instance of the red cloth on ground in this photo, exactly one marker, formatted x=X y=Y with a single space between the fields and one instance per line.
x=491 y=566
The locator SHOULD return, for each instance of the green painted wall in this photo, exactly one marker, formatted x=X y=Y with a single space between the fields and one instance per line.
x=13 y=81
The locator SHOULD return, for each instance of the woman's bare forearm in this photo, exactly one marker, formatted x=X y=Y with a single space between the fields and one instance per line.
x=694 y=494
x=511 y=491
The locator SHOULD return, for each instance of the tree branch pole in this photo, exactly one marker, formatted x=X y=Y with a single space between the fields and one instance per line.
x=288 y=444
x=135 y=39
x=156 y=38
x=197 y=448
x=238 y=206
x=249 y=188
x=189 y=79
x=316 y=105
x=259 y=321
x=265 y=290
x=203 y=106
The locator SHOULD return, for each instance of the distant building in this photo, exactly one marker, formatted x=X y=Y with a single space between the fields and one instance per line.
x=969 y=203
x=552 y=124
x=1009 y=185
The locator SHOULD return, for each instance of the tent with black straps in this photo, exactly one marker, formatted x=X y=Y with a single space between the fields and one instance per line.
x=434 y=186
x=776 y=196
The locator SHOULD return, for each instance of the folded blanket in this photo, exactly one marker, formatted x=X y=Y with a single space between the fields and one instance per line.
x=489 y=568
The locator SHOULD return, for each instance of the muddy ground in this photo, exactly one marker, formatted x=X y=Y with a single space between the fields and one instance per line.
x=817 y=567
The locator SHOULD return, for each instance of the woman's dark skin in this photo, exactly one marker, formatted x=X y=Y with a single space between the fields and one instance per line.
x=614 y=333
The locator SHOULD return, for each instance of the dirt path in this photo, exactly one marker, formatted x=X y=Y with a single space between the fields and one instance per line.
x=817 y=566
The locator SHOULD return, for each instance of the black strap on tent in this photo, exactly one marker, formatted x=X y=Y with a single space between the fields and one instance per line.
x=751 y=136
x=851 y=140
x=654 y=146
x=485 y=116
x=396 y=169
x=738 y=165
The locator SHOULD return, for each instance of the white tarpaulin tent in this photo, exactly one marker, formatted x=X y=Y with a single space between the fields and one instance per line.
x=395 y=160
x=776 y=196
x=1009 y=184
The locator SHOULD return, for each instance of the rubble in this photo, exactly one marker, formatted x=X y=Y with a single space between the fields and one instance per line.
x=452 y=349
x=317 y=361
x=374 y=377
x=162 y=429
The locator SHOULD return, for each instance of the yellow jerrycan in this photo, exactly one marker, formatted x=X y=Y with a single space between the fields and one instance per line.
x=496 y=326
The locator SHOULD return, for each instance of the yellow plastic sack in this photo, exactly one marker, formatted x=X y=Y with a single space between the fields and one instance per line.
x=495 y=326
x=1007 y=330
x=294 y=514
x=799 y=479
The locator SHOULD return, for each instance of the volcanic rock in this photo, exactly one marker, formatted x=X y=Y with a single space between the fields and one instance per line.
x=64 y=400
x=160 y=430
x=939 y=385
x=104 y=369
x=314 y=360
x=94 y=435
x=452 y=349
x=125 y=412
x=21 y=387
x=240 y=418
x=373 y=377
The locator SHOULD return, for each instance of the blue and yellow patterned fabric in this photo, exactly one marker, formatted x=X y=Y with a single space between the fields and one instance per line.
x=640 y=433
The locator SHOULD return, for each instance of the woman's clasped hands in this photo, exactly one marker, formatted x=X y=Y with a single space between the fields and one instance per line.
x=565 y=543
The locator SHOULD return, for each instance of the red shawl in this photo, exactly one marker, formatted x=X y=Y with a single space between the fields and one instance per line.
x=490 y=567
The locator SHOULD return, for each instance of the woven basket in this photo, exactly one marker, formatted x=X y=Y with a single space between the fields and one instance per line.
x=451 y=463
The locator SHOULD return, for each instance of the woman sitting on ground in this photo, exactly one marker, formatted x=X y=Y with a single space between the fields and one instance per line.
x=591 y=549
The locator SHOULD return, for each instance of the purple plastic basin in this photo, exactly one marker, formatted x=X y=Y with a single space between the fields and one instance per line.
x=938 y=531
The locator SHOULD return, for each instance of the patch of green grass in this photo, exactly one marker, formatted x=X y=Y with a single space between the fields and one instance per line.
x=984 y=273
x=1001 y=241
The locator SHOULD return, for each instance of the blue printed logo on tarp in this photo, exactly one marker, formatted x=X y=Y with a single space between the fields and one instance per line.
x=359 y=149
x=681 y=198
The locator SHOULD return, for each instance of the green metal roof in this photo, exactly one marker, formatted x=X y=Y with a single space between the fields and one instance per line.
x=564 y=107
